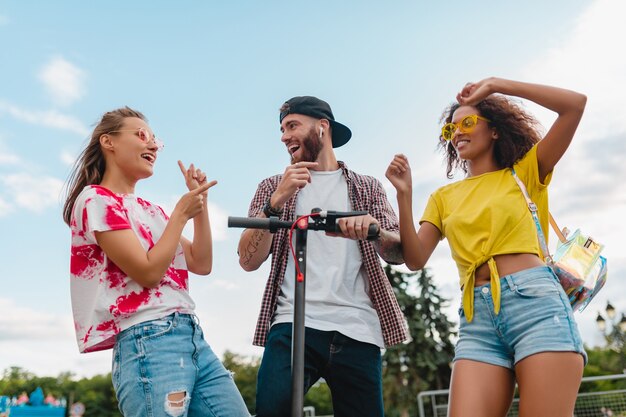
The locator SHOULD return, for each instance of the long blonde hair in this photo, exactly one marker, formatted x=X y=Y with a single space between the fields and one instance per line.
x=90 y=165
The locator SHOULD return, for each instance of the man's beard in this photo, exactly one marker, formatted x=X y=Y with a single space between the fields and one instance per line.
x=310 y=147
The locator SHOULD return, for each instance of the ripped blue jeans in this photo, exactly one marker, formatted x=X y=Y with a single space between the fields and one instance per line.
x=165 y=368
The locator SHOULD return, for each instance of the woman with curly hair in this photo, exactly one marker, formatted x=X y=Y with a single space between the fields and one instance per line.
x=516 y=323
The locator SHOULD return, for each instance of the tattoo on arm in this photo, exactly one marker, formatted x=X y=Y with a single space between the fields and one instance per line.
x=389 y=247
x=253 y=246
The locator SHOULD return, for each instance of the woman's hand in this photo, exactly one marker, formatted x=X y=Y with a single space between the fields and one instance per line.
x=194 y=177
x=399 y=174
x=192 y=203
x=569 y=105
x=473 y=93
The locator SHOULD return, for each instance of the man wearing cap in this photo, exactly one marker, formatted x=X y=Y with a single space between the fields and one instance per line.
x=351 y=311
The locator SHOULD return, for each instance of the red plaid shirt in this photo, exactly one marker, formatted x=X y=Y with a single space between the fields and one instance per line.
x=366 y=193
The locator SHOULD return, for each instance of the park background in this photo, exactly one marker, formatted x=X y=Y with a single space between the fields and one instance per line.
x=210 y=76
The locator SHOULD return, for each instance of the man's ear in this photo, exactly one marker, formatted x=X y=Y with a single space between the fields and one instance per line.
x=324 y=127
x=494 y=134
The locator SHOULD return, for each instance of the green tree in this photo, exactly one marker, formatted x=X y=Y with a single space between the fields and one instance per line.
x=320 y=398
x=15 y=380
x=244 y=371
x=96 y=393
x=603 y=361
x=424 y=362
x=98 y=396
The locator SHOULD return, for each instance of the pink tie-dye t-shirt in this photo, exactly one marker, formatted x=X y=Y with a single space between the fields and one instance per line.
x=105 y=300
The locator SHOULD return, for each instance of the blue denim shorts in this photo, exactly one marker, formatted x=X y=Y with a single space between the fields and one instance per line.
x=535 y=316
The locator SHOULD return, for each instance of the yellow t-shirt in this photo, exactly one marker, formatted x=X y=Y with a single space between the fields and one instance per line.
x=487 y=215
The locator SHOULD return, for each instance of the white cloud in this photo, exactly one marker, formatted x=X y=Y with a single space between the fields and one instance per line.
x=44 y=343
x=31 y=324
x=48 y=118
x=63 y=80
x=6 y=157
x=9 y=159
x=67 y=158
x=223 y=284
x=587 y=61
x=31 y=192
x=217 y=216
x=5 y=208
x=219 y=222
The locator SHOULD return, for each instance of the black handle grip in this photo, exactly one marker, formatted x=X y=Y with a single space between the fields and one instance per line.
x=373 y=232
x=272 y=224
x=248 y=222
x=339 y=214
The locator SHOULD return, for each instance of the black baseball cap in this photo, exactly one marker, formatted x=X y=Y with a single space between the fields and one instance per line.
x=319 y=109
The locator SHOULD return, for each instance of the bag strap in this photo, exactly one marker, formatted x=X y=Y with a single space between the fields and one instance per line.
x=533 y=211
x=556 y=229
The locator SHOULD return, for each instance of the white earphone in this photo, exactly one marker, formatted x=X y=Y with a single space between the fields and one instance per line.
x=321 y=131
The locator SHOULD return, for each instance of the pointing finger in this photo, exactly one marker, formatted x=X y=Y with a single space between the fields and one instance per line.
x=304 y=164
x=203 y=188
x=182 y=168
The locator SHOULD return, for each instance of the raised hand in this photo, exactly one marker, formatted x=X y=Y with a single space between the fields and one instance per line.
x=296 y=176
x=194 y=177
x=192 y=203
x=473 y=93
x=399 y=173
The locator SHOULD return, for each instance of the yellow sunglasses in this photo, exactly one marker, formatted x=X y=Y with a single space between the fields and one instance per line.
x=466 y=125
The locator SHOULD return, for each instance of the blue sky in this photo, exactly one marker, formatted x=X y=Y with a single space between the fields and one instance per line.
x=210 y=77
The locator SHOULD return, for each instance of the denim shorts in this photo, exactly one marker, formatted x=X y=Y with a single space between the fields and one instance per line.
x=159 y=358
x=535 y=316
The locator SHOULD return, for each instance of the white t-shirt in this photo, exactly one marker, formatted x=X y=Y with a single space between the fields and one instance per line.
x=337 y=285
x=105 y=300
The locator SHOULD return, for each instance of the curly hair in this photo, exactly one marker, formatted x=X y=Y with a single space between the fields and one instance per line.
x=518 y=131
